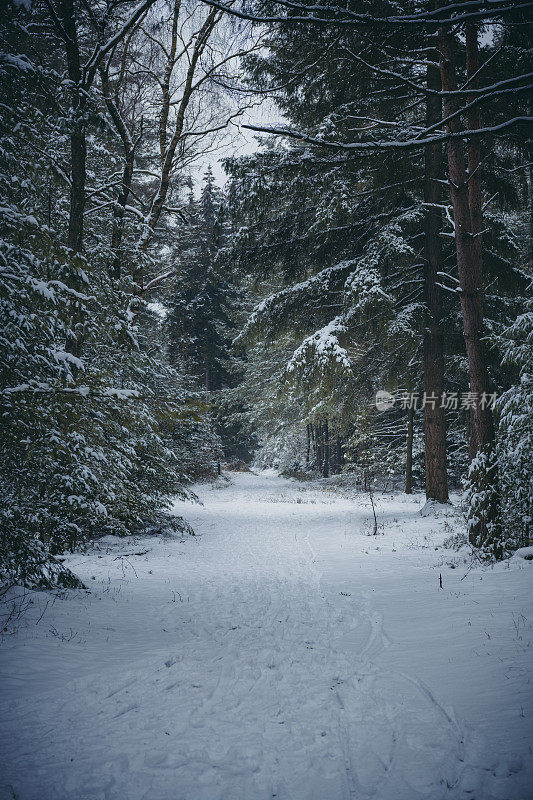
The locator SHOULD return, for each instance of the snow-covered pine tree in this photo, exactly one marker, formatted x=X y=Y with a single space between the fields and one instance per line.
x=514 y=446
x=199 y=322
x=94 y=441
x=331 y=57
x=337 y=238
x=203 y=312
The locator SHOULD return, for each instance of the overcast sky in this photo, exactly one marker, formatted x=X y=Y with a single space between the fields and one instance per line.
x=240 y=141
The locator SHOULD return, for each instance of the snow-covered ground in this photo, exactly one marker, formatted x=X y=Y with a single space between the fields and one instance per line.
x=282 y=653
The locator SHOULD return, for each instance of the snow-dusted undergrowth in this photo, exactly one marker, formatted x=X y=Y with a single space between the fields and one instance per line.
x=282 y=653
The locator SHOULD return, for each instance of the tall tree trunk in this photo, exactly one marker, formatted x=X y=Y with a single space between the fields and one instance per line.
x=409 y=451
x=78 y=146
x=339 y=454
x=434 y=414
x=472 y=445
x=78 y=168
x=469 y=253
x=119 y=211
x=466 y=194
x=475 y=193
x=119 y=208
x=78 y=153
x=530 y=201
x=308 y=448
x=319 y=447
x=325 y=468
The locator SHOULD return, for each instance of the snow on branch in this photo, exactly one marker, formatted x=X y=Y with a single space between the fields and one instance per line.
x=84 y=391
x=363 y=287
x=321 y=353
x=100 y=52
x=158 y=279
x=394 y=144
x=451 y=14
x=274 y=309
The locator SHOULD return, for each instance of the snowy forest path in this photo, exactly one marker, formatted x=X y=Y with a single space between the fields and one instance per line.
x=234 y=667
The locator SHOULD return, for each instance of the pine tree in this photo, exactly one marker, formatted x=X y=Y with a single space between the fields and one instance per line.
x=343 y=138
x=201 y=323
x=98 y=431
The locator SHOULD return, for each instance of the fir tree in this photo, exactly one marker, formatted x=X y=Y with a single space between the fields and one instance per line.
x=201 y=323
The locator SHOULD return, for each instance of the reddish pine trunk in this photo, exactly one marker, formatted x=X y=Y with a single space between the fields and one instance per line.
x=468 y=248
x=466 y=194
x=434 y=416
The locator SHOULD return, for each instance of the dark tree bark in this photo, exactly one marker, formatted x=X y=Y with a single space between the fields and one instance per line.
x=339 y=458
x=128 y=144
x=475 y=193
x=409 y=452
x=466 y=194
x=319 y=447
x=469 y=252
x=434 y=415
x=78 y=146
x=325 y=433
x=78 y=151
x=78 y=159
x=472 y=444
x=530 y=201
x=81 y=76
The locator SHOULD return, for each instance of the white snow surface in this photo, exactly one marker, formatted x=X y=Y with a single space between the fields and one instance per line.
x=284 y=652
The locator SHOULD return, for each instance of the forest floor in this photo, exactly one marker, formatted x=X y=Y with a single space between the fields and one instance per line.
x=284 y=652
